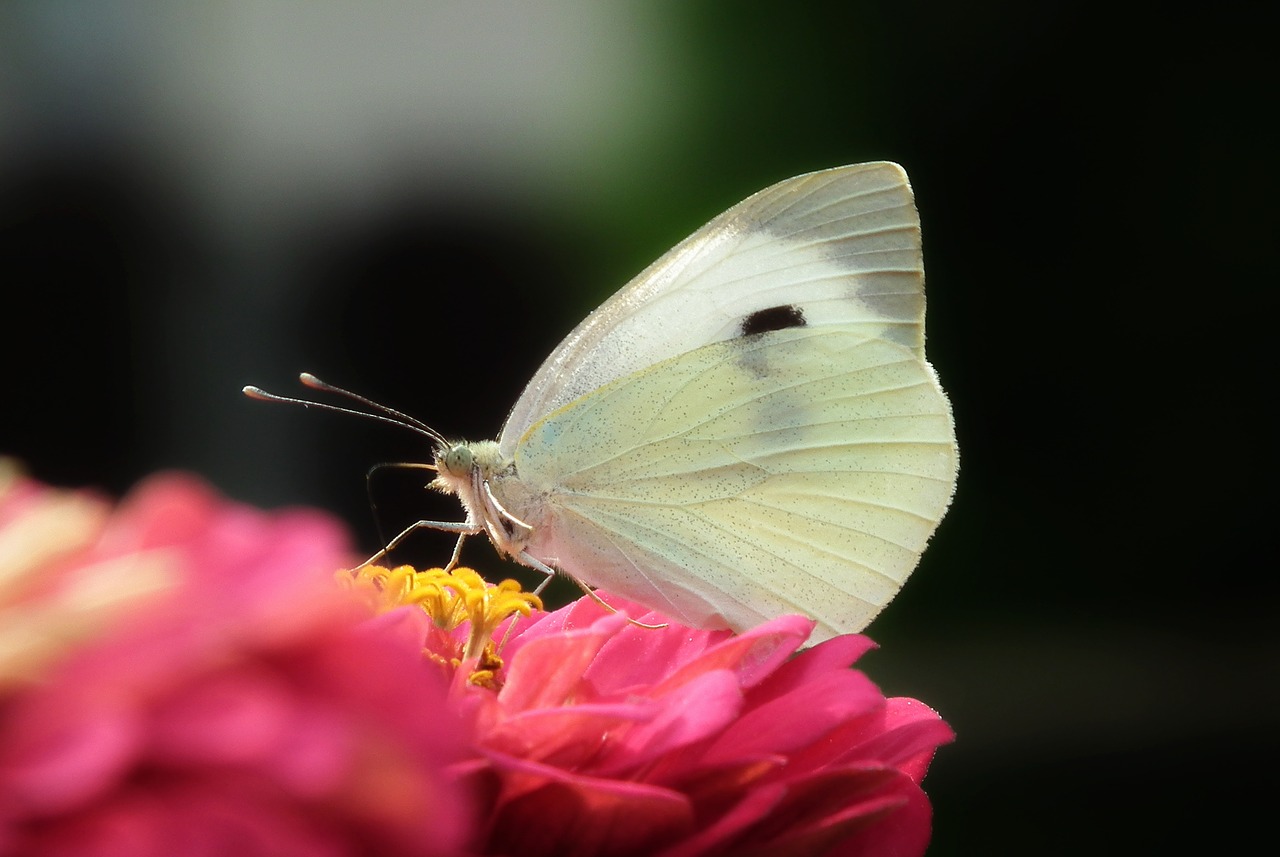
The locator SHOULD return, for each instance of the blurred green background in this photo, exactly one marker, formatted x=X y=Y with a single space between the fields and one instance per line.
x=418 y=200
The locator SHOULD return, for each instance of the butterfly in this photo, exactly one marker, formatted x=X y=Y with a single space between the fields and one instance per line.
x=748 y=428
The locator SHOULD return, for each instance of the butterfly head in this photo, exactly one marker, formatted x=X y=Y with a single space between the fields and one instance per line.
x=466 y=463
x=473 y=472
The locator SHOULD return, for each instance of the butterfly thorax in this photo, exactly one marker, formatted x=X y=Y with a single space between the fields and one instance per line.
x=477 y=472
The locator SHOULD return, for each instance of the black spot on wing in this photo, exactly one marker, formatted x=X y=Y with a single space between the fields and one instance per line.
x=773 y=318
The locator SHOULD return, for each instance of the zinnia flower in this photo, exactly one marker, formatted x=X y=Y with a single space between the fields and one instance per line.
x=182 y=676
x=190 y=685
x=593 y=735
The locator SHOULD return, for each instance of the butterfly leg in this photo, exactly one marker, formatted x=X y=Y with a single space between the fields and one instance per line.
x=550 y=572
x=457 y=552
x=537 y=565
x=462 y=528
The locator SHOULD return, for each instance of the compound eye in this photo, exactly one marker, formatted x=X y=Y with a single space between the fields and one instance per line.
x=458 y=461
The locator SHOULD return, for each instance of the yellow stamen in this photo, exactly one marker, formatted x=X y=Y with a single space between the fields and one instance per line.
x=450 y=599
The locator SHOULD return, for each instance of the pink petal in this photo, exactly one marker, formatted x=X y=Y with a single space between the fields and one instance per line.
x=755 y=804
x=833 y=655
x=234 y=717
x=789 y=723
x=818 y=812
x=631 y=657
x=176 y=821
x=548 y=670
x=687 y=771
x=695 y=711
x=753 y=655
x=61 y=750
x=907 y=746
x=548 y=811
x=568 y=736
x=902 y=832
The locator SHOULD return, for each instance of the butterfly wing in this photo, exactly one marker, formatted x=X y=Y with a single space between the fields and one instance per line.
x=800 y=470
x=841 y=245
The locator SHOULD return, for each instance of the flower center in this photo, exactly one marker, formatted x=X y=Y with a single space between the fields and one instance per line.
x=453 y=599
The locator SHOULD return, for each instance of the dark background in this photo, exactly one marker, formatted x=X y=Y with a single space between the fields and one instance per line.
x=418 y=204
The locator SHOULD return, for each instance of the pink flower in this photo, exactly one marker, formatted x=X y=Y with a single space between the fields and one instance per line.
x=185 y=679
x=593 y=736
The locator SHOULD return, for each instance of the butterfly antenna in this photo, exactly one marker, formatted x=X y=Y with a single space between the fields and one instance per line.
x=382 y=413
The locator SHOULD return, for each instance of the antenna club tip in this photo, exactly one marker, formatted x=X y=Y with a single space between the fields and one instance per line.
x=381 y=412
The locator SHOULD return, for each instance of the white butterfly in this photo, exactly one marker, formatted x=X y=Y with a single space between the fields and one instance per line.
x=749 y=428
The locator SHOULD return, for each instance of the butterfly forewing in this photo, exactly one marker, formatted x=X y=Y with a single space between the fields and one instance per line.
x=842 y=244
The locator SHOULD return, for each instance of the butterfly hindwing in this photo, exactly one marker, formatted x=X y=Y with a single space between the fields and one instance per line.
x=795 y=470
